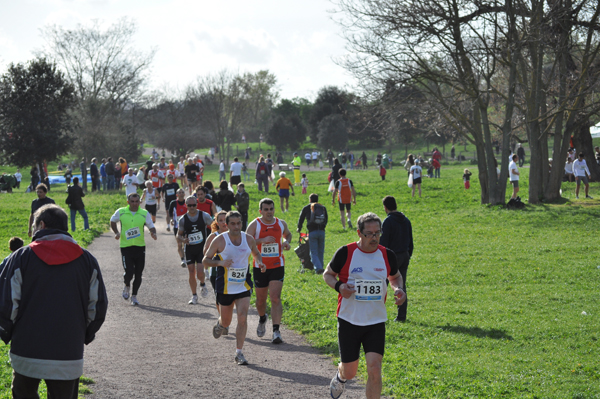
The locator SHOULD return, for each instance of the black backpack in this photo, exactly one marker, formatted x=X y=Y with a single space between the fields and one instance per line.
x=317 y=215
x=515 y=203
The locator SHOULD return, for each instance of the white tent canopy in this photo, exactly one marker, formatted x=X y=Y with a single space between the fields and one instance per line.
x=595 y=131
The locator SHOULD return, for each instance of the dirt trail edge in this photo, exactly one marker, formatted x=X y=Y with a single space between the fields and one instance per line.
x=164 y=348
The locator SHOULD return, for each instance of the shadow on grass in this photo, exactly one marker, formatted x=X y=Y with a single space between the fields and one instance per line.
x=492 y=333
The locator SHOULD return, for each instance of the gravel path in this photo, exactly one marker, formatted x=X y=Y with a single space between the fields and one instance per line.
x=164 y=348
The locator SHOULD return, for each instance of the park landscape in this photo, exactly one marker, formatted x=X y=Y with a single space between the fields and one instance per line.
x=502 y=303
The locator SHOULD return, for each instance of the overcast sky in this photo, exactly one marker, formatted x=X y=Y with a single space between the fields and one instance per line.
x=295 y=40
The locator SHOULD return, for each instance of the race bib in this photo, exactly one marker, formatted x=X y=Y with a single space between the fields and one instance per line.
x=368 y=290
x=270 y=250
x=236 y=275
x=133 y=233
x=196 y=238
x=155 y=179
x=171 y=191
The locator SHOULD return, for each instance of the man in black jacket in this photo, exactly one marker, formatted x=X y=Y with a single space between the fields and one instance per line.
x=52 y=302
x=95 y=175
x=75 y=202
x=316 y=221
x=396 y=234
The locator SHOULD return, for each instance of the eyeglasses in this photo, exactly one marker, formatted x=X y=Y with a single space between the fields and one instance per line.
x=372 y=235
x=191 y=205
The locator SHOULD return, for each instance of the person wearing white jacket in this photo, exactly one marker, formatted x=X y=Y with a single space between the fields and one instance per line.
x=581 y=172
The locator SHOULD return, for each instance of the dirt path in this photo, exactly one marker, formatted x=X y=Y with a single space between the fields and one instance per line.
x=164 y=348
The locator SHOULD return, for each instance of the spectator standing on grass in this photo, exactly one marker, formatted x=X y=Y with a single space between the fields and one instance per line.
x=453 y=153
x=270 y=165
x=363 y=159
x=262 y=175
x=417 y=173
x=581 y=172
x=466 y=178
x=410 y=161
x=83 y=170
x=68 y=175
x=41 y=190
x=13 y=244
x=52 y=303
x=335 y=170
x=95 y=175
x=382 y=172
x=235 y=172
x=597 y=154
x=103 y=174
x=330 y=158
x=315 y=215
x=75 y=201
x=513 y=172
x=569 y=170
x=222 y=171
x=437 y=156
x=304 y=183
x=18 y=176
x=110 y=173
x=396 y=234
x=296 y=162
x=436 y=168
x=521 y=154
x=242 y=200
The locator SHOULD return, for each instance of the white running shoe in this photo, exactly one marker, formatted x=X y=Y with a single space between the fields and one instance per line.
x=194 y=300
x=336 y=387
x=277 y=337
x=349 y=223
x=204 y=291
x=262 y=327
x=240 y=359
x=126 y=293
x=134 y=301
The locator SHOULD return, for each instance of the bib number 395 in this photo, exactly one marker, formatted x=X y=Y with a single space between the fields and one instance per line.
x=368 y=290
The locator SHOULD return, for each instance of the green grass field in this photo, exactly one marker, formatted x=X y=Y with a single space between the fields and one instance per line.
x=495 y=296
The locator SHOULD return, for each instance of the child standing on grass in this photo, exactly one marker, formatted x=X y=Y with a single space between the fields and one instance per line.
x=430 y=171
x=466 y=178
x=304 y=183
x=382 y=172
x=245 y=171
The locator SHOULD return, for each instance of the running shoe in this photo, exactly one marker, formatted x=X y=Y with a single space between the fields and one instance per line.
x=194 y=300
x=219 y=330
x=588 y=197
x=277 y=337
x=349 y=223
x=262 y=327
x=577 y=197
x=134 y=301
x=168 y=228
x=336 y=387
x=126 y=293
x=183 y=264
x=204 y=291
x=240 y=359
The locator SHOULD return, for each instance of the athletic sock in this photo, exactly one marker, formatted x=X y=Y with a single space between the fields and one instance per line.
x=263 y=319
x=238 y=351
x=340 y=378
x=275 y=327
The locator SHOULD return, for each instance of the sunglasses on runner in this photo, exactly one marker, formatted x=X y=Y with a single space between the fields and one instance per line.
x=371 y=235
x=191 y=205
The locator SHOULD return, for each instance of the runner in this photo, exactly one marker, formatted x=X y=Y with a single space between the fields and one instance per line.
x=204 y=204
x=218 y=226
x=268 y=232
x=200 y=166
x=177 y=209
x=131 y=242
x=192 y=232
x=130 y=182
x=344 y=190
x=156 y=176
x=234 y=285
x=283 y=187
x=181 y=169
x=151 y=195
x=362 y=268
x=191 y=171
x=168 y=193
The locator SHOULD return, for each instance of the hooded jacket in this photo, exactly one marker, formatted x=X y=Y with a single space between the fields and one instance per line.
x=396 y=233
x=52 y=302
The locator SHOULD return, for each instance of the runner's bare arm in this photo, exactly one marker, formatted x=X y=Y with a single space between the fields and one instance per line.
x=181 y=238
x=143 y=196
x=396 y=284
x=256 y=253
x=153 y=233
x=213 y=209
x=287 y=234
x=353 y=195
x=113 y=226
x=331 y=280
x=333 y=195
x=209 y=240
x=218 y=245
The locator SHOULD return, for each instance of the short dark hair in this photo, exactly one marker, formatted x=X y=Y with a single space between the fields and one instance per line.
x=41 y=186
x=390 y=203
x=76 y=180
x=209 y=185
x=581 y=155
x=267 y=201
x=131 y=195
x=15 y=243
x=514 y=156
x=232 y=214
x=53 y=216
x=342 y=172
x=367 y=218
x=235 y=159
x=313 y=198
x=223 y=185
